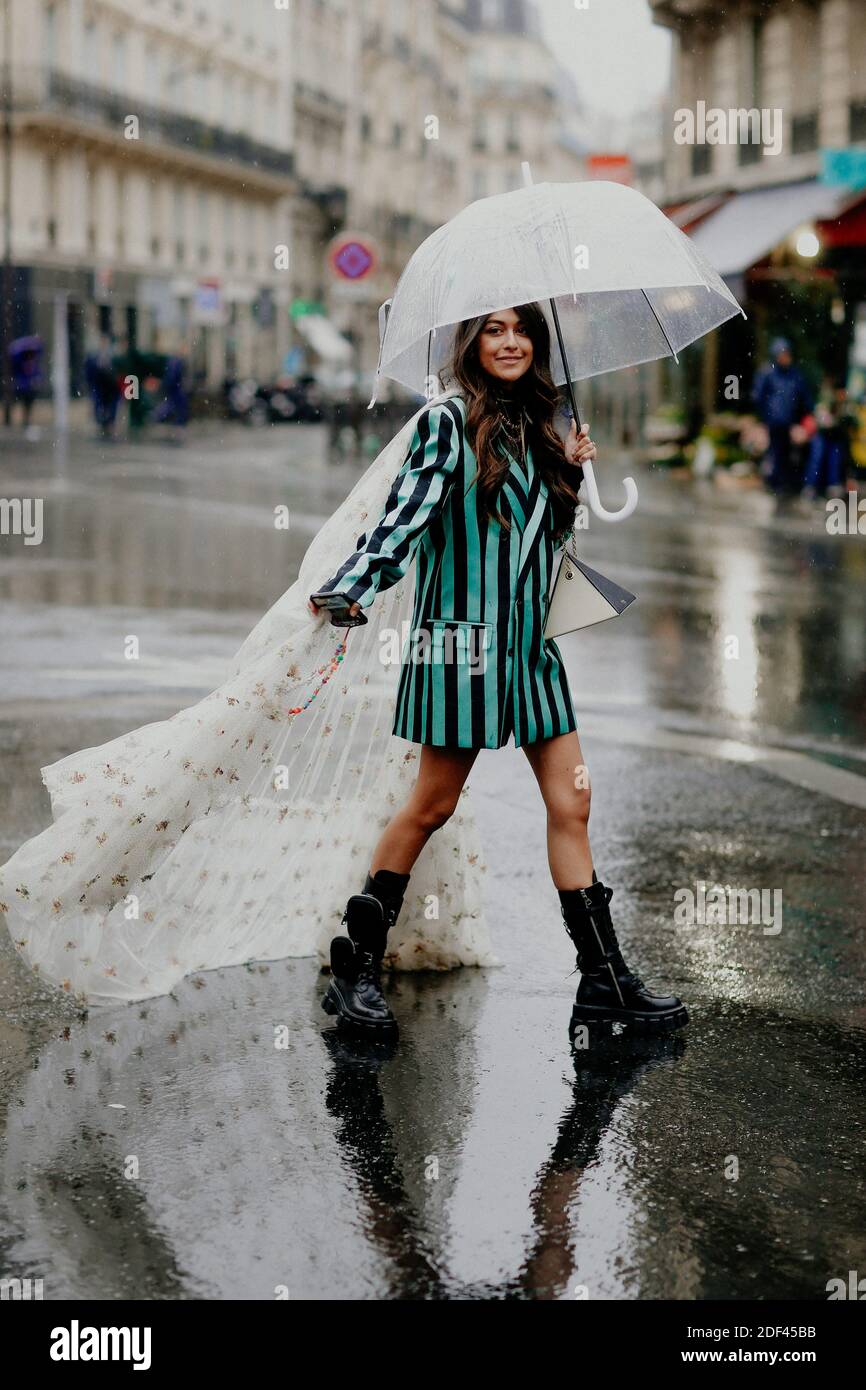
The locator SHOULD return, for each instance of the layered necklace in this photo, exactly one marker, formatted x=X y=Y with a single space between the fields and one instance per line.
x=512 y=421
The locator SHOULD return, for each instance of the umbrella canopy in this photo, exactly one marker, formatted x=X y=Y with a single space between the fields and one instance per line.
x=31 y=343
x=628 y=285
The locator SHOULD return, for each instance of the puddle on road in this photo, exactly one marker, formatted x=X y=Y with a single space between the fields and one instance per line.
x=170 y=1150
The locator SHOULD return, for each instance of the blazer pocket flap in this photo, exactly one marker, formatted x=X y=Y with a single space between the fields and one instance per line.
x=451 y=641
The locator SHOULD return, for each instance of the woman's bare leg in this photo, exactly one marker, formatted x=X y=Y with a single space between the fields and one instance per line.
x=563 y=779
x=441 y=775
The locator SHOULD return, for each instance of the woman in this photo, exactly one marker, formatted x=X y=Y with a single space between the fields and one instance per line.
x=485 y=492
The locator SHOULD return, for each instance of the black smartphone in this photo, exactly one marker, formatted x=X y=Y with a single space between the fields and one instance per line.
x=339 y=609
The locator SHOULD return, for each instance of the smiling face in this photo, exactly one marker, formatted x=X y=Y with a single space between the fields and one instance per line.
x=504 y=346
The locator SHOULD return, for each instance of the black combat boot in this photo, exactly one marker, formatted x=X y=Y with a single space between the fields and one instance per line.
x=608 y=991
x=355 y=992
x=390 y=889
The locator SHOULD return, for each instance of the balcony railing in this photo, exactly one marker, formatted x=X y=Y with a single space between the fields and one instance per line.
x=45 y=89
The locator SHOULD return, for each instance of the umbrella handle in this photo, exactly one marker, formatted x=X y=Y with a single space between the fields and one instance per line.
x=595 y=503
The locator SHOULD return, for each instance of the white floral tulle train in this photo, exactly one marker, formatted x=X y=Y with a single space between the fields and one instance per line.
x=236 y=830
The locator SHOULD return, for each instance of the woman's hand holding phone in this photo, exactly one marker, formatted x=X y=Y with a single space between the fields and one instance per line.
x=342 y=615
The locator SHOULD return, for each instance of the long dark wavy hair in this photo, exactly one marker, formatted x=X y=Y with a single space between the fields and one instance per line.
x=487 y=400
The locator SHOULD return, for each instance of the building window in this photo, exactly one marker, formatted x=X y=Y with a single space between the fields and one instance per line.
x=512 y=132
x=857 y=121
x=229 y=232
x=203 y=215
x=229 y=103
x=51 y=201
x=479 y=131
x=250 y=236
x=118 y=62
x=751 y=83
x=654 y=169
x=121 y=212
x=804 y=133
x=175 y=89
x=366 y=126
x=702 y=160
x=201 y=93
x=49 y=41
x=179 y=216
x=755 y=72
x=90 y=52
x=747 y=154
x=804 y=27
x=396 y=135
x=151 y=72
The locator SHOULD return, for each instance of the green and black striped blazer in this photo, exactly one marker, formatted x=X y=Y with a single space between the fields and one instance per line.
x=476 y=667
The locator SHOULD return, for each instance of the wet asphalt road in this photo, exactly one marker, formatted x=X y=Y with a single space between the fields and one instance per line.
x=170 y=1150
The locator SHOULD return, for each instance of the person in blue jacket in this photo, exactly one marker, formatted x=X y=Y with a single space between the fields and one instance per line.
x=102 y=383
x=174 y=408
x=782 y=396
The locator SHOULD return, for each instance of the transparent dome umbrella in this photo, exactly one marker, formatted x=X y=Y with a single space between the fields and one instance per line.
x=617 y=281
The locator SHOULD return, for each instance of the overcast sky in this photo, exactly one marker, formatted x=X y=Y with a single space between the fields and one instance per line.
x=619 y=58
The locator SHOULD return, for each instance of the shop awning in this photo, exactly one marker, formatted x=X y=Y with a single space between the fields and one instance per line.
x=849 y=228
x=750 y=225
x=689 y=215
x=323 y=337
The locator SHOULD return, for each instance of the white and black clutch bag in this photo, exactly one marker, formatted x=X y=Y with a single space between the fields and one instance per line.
x=581 y=597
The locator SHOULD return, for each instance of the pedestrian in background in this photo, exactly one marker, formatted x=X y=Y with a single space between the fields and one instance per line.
x=25 y=361
x=102 y=384
x=827 y=463
x=173 y=409
x=782 y=397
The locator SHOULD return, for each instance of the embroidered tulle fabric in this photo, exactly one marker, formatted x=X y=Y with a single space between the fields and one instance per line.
x=236 y=830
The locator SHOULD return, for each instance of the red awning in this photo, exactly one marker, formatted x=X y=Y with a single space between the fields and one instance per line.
x=849 y=228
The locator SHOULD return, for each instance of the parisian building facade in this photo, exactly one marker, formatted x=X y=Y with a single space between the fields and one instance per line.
x=180 y=170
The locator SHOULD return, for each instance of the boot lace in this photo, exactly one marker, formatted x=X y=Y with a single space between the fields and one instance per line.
x=368 y=968
x=631 y=980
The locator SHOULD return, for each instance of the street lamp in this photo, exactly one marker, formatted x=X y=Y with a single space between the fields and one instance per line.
x=806 y=243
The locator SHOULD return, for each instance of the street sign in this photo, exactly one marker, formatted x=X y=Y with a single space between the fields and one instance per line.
x=207 y=304
x=299 y=307
x=352 y=257
x=846 y=166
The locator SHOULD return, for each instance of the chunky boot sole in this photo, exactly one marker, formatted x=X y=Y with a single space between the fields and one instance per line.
x=334 y=1003
x=642 y=1022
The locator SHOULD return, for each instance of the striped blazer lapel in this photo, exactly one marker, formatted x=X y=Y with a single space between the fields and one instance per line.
x=537 y=509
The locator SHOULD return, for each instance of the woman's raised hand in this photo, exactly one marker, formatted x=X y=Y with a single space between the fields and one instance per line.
x=579 y=448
